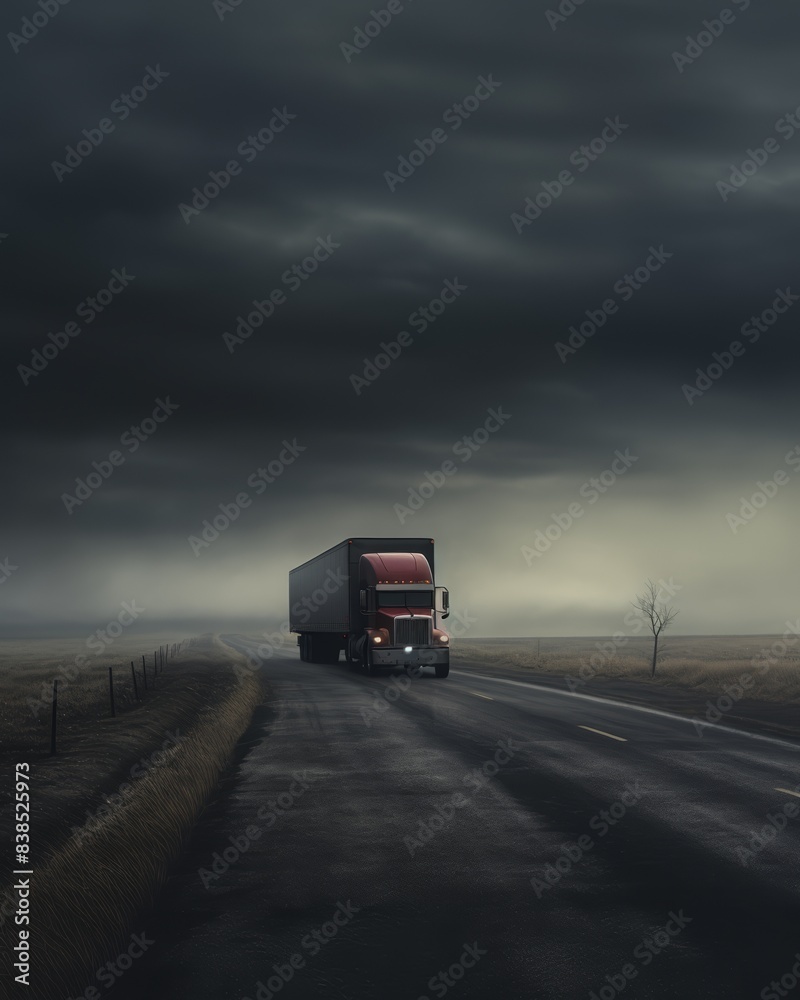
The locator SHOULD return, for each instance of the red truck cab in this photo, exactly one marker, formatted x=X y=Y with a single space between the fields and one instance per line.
x=400 y=602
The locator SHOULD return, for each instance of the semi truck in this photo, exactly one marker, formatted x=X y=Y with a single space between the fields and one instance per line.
x=375 y=599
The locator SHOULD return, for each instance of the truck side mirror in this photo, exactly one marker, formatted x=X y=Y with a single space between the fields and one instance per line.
x=442 y=601
x=362 y=601
x=366 y=600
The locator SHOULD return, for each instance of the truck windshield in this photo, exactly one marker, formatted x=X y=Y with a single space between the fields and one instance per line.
x=405 y=599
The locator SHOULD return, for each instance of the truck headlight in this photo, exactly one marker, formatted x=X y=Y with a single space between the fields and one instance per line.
x=444 y=638
x=377 y=638
x=407 y=649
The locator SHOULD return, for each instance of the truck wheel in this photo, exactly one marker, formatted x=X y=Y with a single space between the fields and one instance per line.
x=442 y=669
x=353 y=653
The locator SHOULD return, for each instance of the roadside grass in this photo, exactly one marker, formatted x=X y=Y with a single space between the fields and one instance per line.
x=694 y=663
x=27 y=670
x=102 y=837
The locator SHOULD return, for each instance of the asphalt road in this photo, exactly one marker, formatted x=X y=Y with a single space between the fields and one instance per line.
x=399 y=831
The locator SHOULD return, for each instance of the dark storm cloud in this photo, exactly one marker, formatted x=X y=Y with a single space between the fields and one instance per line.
x=323 y=177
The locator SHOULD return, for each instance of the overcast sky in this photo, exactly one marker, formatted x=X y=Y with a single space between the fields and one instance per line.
x=649 y=221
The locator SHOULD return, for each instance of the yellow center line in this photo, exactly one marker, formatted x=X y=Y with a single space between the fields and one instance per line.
x=600 y=732
x=788 y=791
x=479 y=695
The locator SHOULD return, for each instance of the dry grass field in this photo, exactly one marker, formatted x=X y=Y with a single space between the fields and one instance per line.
x=27 y=671
x=110 y=811
x=703 y=664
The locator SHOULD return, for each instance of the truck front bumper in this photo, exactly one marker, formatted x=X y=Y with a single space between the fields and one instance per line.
x=419 y=656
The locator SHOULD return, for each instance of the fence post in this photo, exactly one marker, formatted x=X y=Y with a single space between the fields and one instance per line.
x=135 y=685
x=144 y=672
x=53 y=722
x=111 y=691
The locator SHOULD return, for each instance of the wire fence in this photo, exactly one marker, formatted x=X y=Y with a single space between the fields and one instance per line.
x=126 y=689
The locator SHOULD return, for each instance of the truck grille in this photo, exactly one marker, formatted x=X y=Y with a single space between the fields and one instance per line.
x=412 y=631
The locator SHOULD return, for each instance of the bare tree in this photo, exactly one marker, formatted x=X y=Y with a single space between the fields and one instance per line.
x=656 y=614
